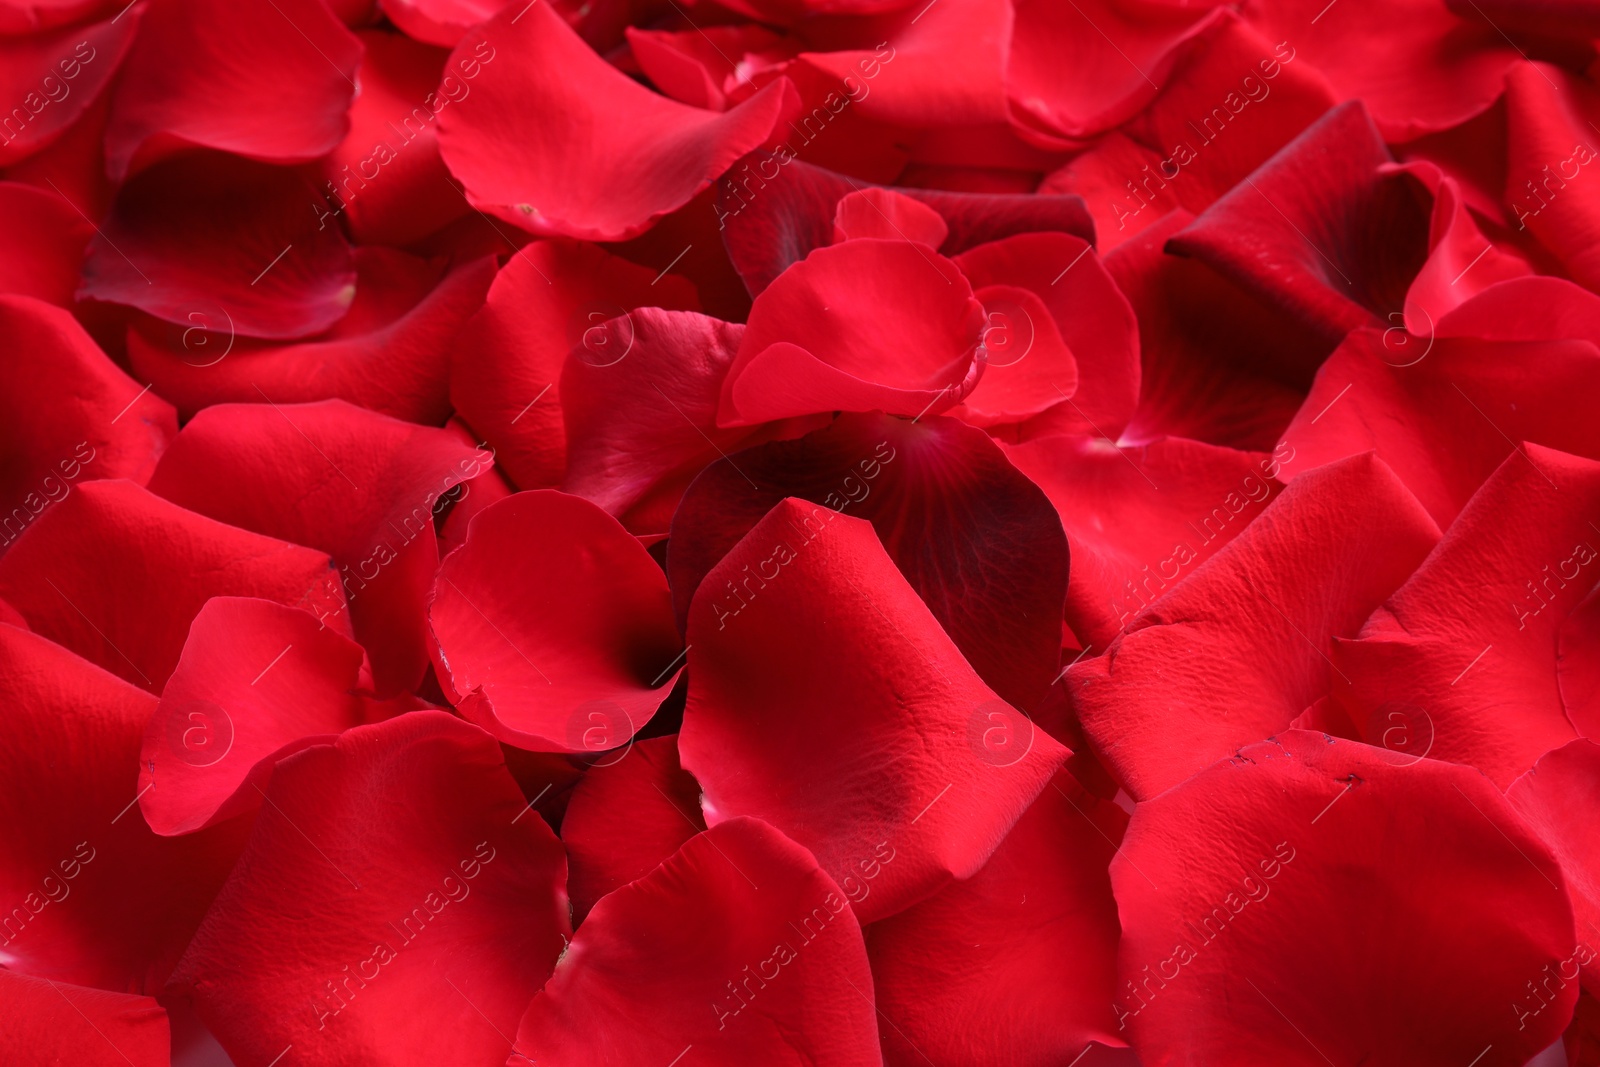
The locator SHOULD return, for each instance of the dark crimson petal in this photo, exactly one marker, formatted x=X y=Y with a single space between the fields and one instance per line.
x=230 y=241
x=1077 y=70
x=395 y=904
x=1550 y=115
x=873 y=733
x=867 y=324
x=1168 y=698
x=1216 y=365
x=1317 y=231
x=551 y=296
x=1174 y=153
x=1466 y=649
x=54 y=1023
x=357 y=485
x=626 y=818
x=1139 y=519
x=1093 y=317
x=739 y=948
x=269 y=82
x=116 y=574
x=30 y=16
x=1016 y=965
x=1555 y=797
x=1552 y=18
x=91 y=895
x=555 y=140
x=977 y=541
x=42 y=238
x=389 y=353
x=68 y=414
x=1427 y=71
x=1578 y=666
x=256 y=682
x=791 y=208
x=1444 y=416
x=1250 y=935
x=639 y=397
x=785 y=12
x=583 y=672
x=49 y=80
x=386 y=178
x=440 y=22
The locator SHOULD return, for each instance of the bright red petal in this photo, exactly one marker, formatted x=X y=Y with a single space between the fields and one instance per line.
x=54 y=1023
x=51 y=79
x=1556 y=797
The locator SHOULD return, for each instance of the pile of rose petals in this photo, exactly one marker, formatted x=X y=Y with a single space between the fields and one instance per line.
x=799 y=533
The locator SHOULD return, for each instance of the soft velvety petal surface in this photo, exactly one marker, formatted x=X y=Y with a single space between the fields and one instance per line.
x=42 y=238
x=1017 y=964
x=441 y=22
x=92 y=895
x=1362 y=907
x=257 y=680
x=1469 y=644
x=394 y=905
x=738 y=950
x=554 y=626
x=55 y=1023
x=219 y=243
x=871 y=733
x=1140 y=519
x=269 y=82
x=1167 y=698
x=974 y=538
x=870 y=323
x=357 y=485
x=67 y=414
x=1556 y=798
x=389 y=353
x=626 y=817
x=551 y=296
x=556 y=141
x=116 y=573
x=1551 y=154
x=49 y=80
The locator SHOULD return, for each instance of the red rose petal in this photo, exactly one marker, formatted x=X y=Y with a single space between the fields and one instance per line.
x=1078 y=70
x=1093 y=318
x=878 y=212
x=1462 y=262
x=536 y=168
x=791 y=206
x=698 y=68
x=392 y=905
x=1140 y=519
x=739 y=947
x=389 y=353
x=1555 y=797
x=1539 y=308
x=1017 y=964
x=116 y=574
x=1166 y=699
x=30 y=16
x=582 y=673
x=50 y=1022
x=1466 y=650
x=269 y=82
x=51 y=79
x=1578 y=666
x=440 y=22
x=1443 y=412
x=551 y=296
x=42 y=238
x=1216 y=365
x=977 y=541
x=873 y=732
x=92 y=895
x=224 y=239
x=257 y=681
x=1316 y=231
x=69 y=414
x=1427 y=71
x=357 y=485
x=626 y=818
x=1263 y=946
x=1550 y=144
x=866 y=324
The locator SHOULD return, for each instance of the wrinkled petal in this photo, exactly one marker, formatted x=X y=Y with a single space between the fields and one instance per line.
x=1167 y=698
x=738 y=946
x=582 y=674
x=1264 y=945
x=872 y=733
x=389 y=903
